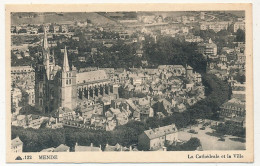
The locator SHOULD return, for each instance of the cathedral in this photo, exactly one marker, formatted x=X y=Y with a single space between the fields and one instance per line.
x=63 y=86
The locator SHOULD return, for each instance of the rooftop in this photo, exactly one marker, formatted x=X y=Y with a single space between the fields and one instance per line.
x=16 y=142
x=86 y=148
x=160 y=131
x=91 y=76
x=61 y=148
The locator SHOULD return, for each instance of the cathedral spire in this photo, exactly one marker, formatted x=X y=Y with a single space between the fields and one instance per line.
x=65 y=61
x=45 y=39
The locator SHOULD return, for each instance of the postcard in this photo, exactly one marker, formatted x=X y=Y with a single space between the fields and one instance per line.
x=129 y=83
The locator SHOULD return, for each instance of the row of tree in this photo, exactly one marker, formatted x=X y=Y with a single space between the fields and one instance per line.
x=190 y=145
x=229 y=128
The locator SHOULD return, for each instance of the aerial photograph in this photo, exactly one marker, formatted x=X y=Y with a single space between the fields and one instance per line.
x=128 y=81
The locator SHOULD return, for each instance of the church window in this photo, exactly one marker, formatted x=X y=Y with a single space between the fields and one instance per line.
x=41 y=103
x=67 y=82
x=70 y=81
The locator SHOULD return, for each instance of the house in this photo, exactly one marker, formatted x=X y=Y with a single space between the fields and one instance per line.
x=111 y=124
x=64 y=29
x=56 y=28
x=98 y=121
x=241 y=58
x=16 y=96
x=17 y=145
x=215 y=26
x=181 y=107
x=82 y=59
x=146 y=112
x=61 y=148
x=234 y=111
x=117 y=147
x=63 y=113
x=239 y=91
x=209 y=49
x=37 y=122
x=48 y=150
x=239 y=25
x=31 y=98
x=166 y=105
x=120 y=116
x=79 y=148
x=155 y=139
x=21 y=120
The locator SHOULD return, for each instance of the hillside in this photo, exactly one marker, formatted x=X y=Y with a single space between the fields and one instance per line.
x=58 y=18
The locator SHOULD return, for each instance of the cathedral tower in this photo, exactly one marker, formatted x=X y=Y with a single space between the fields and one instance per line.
x=68 y=89
x=44 y=76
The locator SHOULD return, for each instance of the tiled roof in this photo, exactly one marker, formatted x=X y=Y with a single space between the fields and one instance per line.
x=48 y=150
x=91 y=76
x=160 y=131
x=117 y=147
x=61 y=148
x=86 y=148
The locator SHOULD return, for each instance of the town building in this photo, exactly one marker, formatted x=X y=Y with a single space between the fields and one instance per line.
x=60 y=148
x=16 y=145
x=241 y=58
x=215 y=26
x=91 y=148
x=18 y=72
x=239 y=25
x=208 y=49
x=155 y=139
x=239 y=91
x=116 y=147
x=16 y=96
x=202 y=15
x=234 y=111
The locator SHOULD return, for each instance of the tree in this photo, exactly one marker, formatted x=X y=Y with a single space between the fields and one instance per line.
x=22 y=31
x=240 y=35
x=25 y=98
x=190 y=145
x=223 y=32
x=40 y=30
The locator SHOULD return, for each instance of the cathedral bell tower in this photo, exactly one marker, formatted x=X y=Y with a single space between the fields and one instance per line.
x=43 y=71
x=68 y=91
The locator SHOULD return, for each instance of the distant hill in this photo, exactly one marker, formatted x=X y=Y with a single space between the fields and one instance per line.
x=237 y=13
x=22 y=18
